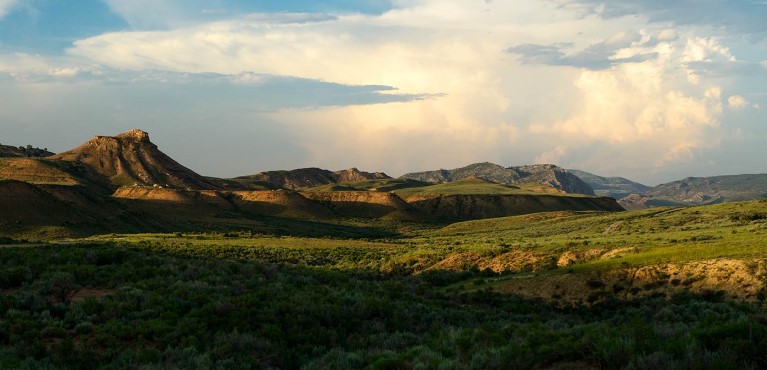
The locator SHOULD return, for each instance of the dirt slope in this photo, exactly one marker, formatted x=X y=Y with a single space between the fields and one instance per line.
x=199 y=204
x=365 y=204
x=738 y=279
x=279 y=203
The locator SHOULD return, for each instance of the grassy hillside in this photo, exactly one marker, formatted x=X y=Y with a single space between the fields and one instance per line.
x=662 y=288
x=576 y=245
x=717 y=189
x=383 y=185
x=468 y=186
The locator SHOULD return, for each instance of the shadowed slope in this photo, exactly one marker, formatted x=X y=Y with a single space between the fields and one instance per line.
x=52 y=211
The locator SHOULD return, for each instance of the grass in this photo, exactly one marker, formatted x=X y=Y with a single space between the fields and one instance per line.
x=503 y=248
x=372 y=185
x=637 y=238
x=427 y=291
x=465 y=186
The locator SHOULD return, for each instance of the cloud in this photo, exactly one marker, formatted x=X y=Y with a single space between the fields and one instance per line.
x=575 y=88
x=6 y=6
x=653 y=105
x=742 y=17
x=252 y=91
x=737 y=102
x=556 y=155
x=601 y=55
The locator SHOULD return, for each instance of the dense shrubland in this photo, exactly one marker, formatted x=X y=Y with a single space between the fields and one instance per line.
x=154 y=307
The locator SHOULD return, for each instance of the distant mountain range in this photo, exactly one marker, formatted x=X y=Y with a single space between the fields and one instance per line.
x=124 y=183
x=547 y=174
x=686 y=192
x=616 y=187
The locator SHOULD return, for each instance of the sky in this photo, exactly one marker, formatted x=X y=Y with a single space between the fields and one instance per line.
x=651 y=90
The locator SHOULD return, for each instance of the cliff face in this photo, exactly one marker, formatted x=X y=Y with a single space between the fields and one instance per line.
x=547 y=174
x=470 y=207
x=130 y=159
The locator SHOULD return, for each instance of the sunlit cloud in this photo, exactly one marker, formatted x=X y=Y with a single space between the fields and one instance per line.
x=736 y=102
x=628 y=89
x=6 y=6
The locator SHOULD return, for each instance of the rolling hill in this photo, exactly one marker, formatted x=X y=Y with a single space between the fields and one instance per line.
x=303 y=178
x=547 y=174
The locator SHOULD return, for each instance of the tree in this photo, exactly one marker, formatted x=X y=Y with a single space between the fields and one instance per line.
x=62 y=287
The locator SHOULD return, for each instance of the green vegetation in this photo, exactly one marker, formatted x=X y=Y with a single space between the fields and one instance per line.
x=465 y=186
x=725 y=230
x=372 y=185
x=656 y=290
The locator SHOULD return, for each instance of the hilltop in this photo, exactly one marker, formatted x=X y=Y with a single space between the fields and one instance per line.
x=23 y=151
x=309 y=177
x=547 y=174
x=131 y=159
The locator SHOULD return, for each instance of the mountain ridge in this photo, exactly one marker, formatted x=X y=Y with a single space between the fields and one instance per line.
x=689 y=191
x=124 y=183
x=302 y=178
x=548 y=174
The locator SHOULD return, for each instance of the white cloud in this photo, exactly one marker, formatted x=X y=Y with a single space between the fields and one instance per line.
x=605 y=98
x=6 y=6
x=737 y=102
x=556 y=155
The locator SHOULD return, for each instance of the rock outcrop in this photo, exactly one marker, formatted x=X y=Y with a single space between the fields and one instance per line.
x=131 y=159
